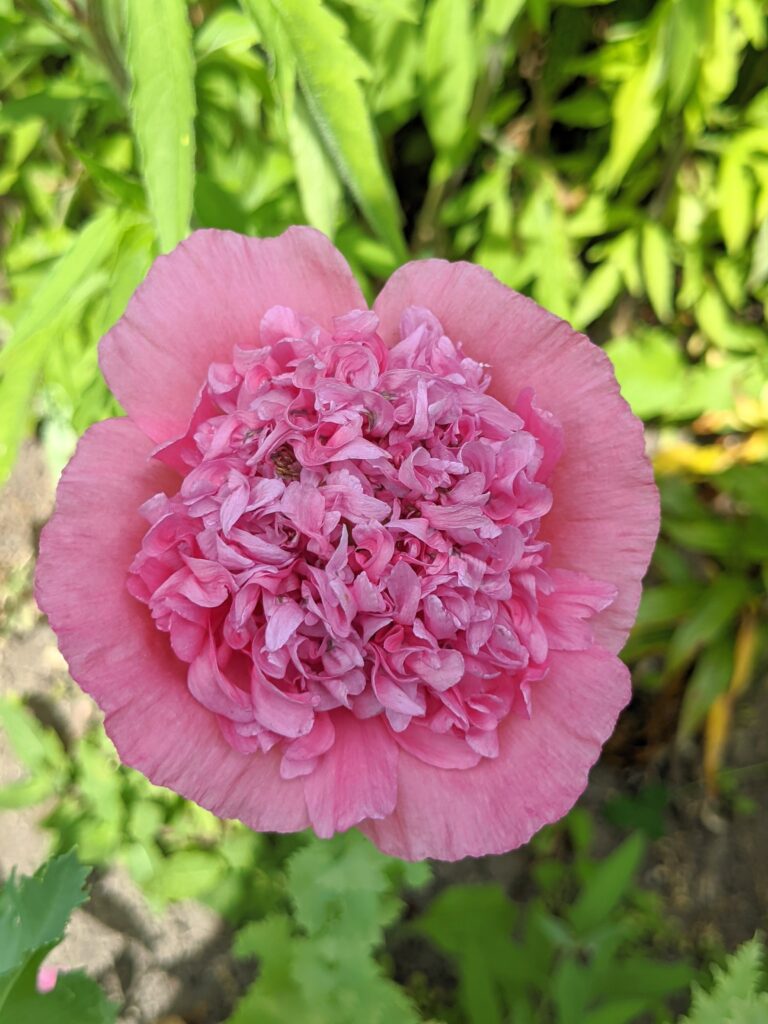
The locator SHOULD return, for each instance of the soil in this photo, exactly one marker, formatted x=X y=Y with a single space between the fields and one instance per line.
x=710 y=866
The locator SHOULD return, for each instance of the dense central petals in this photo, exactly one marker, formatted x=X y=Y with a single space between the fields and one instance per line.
x=357 y=533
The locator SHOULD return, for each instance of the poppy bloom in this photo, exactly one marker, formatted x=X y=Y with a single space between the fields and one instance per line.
x=342 y=566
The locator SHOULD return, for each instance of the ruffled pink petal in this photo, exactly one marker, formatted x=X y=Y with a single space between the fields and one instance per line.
x=116 y=654
x=605 y=515
x=540 y=772
x=201 y=300
x=356 y=780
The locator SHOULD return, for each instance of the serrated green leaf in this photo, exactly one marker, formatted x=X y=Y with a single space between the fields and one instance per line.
x=75 y=999
x=740 y=980
x=328 y=70
x=159 y=56
x=449 y=71
x=33 y=915
x=341 y=893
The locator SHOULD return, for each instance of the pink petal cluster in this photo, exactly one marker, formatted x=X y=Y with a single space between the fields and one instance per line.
x=357 y=533
x=342 y=566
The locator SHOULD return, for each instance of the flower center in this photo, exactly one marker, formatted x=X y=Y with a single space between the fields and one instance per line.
x=357 y=533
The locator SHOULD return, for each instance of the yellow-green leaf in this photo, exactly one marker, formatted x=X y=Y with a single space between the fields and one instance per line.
x=162 y=69
x=329 y=70
x=449 y=71
x=658 y=270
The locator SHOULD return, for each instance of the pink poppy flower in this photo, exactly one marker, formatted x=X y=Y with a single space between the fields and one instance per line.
x=342 y=566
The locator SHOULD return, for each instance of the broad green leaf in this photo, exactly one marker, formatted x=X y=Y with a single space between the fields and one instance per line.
x=725 y=331
x=449 y=71
x=319 y=186
x=473 y=923
x=607 y=885
x=159 y=55
x=587 y=108
x=599 y=291
x=664 y=604
x=735 y=198
x=758 y=271
x=636 y=110
x=658 y=270
x=651 y=372
x=38 y=748
x=186 y=874
x=225 y=29
x=328 y=70
x=497 y=16
x=717 y=607
x=709 y=679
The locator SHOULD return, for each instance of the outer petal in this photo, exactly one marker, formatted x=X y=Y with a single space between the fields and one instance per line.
x=116 y=654
x=605 y=516
x=540 y=772
x=203 y=298
x=356 y=779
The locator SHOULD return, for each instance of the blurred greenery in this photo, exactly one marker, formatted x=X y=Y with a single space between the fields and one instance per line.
x=609 y=159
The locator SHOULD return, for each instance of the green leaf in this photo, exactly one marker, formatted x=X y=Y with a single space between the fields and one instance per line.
x=735 y=988
x=187 y=874
x=636 y=109
x=497 y=15
x=599 y=291
x=735 y=197
x=319 y=186
x=53 y=297
x=658 y=271
x=160 y=62
x=328 y=70
x=76 y=999
x=716 y=608
x=21 y=367
x=33 y=915
x=473 y=923
x=39 y=749
x=650 y=370
x=449 y=71
x=709 y=679
x=225 y=29
x=606 y=886
x=341 y=892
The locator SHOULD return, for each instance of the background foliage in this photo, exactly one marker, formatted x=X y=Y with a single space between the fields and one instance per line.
x=608 y=158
